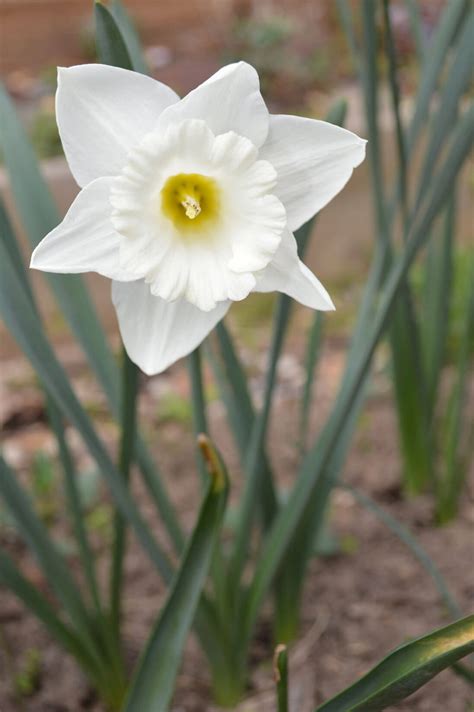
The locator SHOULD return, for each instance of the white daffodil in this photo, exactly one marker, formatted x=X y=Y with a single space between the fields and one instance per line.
x=188 y=205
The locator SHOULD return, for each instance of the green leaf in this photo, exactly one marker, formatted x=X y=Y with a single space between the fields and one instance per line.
x=254 y=486
x=435 y=57
x=406 y=669
x=130 y=36
x=313 y=351
x=199 y=406
x=436 y=303
x=313 y=474
x=38 y=540
x=457 y=83
x=57 y=425
x=405 y=536
x=280 y=668
x=128 y=424
x=410 y=394
x=39 y=215
x=111 y=46
x=453 y=465
x=16 y=311
x=13 y=579
x=152 y=687
x=416 y=26
x=234 y=390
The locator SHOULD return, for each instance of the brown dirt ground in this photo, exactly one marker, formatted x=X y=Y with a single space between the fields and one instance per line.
x=357 y=605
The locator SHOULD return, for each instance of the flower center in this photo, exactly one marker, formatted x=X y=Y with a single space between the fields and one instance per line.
x=190 y=201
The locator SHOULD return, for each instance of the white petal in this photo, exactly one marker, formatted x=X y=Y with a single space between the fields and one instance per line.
x=242 y=238
x=314 y=160
x=102 y=112
x=230 y=100
x=85 y=241
x=286 y=273
x=157 y=333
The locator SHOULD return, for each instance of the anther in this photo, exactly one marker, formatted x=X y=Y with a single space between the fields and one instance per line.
x=191 y=207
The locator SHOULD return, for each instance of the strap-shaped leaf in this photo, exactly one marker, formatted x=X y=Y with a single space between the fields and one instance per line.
x=130 y=36
x=34 y=533
x=39 y=215
x=152 y=688
x=457 y=83
x=87 y=560
x=435 y=57
x=13 y=579
x=280 y=670
x=406 y=669
x=20 y=320
x=313 y=472
x=111 y=45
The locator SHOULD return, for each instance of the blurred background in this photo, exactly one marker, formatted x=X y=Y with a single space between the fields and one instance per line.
x=301 y=54
x=300 y=51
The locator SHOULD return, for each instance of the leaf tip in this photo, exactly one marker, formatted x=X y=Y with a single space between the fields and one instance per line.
x=279 y=661
x=213 y=462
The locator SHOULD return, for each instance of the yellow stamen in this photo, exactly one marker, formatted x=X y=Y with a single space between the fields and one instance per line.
x=192 y=202
x=191 y=207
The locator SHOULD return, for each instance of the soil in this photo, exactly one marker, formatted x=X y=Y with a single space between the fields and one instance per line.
x=366 y=598
x=360 y=602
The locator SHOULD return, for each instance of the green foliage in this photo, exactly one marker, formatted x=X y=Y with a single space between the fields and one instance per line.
x=271 y=538
x=406 y=669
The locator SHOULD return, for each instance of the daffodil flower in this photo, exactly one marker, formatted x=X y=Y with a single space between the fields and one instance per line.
x=188 y=205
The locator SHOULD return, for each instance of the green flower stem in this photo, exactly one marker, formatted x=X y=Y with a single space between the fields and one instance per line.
x=128 y=424
x=200 y=426
x=280 y=668
x=228 y=682
x=199 y=408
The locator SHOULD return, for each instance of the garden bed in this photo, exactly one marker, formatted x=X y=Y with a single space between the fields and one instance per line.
x=364 y=598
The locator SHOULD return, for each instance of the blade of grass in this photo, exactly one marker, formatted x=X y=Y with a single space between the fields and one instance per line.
x=199 y=407
x=152 y=687
x=313 y=470
x=241 y=413
x=395 y=95
x=118 y=45
x=435 y=57
x=39 y=215
x=74 y=505
x=454 y=469
x=370 y=83
x=253 y=483
x=130 y=378
x=313 y=352
x=406 y=669
x=236 y=394
x=280 y=670
x=24 y=327
x=72 y=494
x=256 y=488
x=410 y=396
x=457 y=82
x=416 y=27
x=405 y=536
x=14 y=308
x=53 y=566
x=200 y=426
x=130 y=35
x=13 y=579
x=111 y=45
